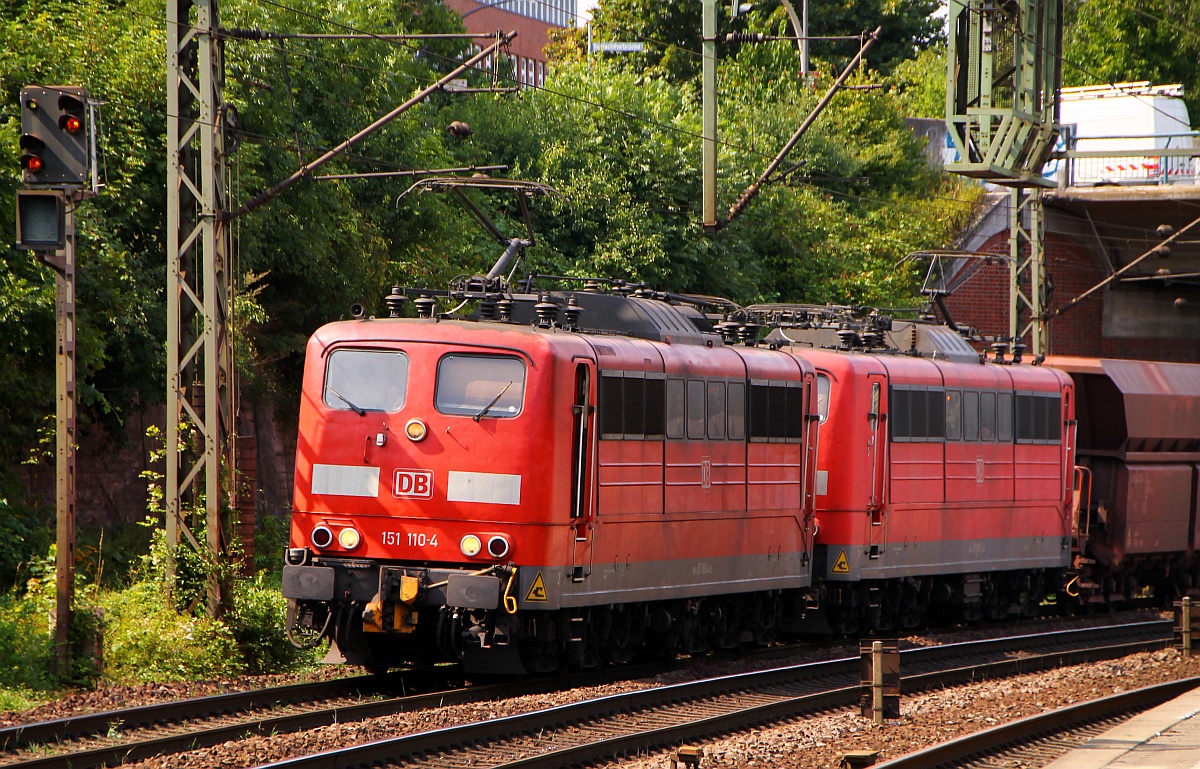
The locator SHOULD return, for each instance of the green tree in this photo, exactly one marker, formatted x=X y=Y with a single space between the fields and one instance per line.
x=671 y=30
x=1108 y=41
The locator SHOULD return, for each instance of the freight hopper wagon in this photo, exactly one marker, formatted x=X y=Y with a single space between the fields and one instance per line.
x=1139 y=452
x=943 y=481
x=559 y=478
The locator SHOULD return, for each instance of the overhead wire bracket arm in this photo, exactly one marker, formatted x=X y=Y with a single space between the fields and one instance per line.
x=1162 y=249
x=483 y=219
x=307 y=169
x=756 y=187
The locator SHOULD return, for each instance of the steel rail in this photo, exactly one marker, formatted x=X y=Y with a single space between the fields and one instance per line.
x=58 y=731
x=70 y=727
x=125 y=752
x=1027 y=730
x=835 y=674
x=791 y=707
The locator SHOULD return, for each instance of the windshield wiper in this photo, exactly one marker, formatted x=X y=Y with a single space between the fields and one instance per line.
x=357 y=410
x=488 y=407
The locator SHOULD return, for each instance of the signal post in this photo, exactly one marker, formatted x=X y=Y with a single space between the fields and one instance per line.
x=56 y=164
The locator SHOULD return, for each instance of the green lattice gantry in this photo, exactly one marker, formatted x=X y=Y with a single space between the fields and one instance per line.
x=1002 y=86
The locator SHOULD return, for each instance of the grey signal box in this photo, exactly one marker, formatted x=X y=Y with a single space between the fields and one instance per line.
x=54 y=136
x=41 y=220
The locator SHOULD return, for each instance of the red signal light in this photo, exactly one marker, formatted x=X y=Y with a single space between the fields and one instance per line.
x=32 y=163
x=71 y=124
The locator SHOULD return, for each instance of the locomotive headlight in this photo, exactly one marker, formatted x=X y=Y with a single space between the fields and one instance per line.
x=416 y=430
x=470 y=545
x=498 y=546
x=321 y=536
x=349 y=538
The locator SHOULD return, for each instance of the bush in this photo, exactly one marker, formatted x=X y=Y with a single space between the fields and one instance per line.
x=24 y=532
x=257 y=619
x=26 y=650
x=146 y=640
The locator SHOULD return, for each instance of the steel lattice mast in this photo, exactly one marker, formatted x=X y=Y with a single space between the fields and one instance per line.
x=1003 y=76
x=200 y=386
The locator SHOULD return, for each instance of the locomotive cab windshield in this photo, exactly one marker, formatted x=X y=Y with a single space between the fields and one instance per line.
x=480 y=386
x=366 y=380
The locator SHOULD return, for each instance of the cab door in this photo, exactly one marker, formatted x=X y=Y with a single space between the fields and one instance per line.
x=877 y=460
x=583 y=437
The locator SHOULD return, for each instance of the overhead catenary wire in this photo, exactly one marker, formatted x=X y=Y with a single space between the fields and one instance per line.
x=307 y=169
x=956 y=202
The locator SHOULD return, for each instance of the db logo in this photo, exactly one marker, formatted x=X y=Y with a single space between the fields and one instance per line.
x=706 y=474
x=417 y=484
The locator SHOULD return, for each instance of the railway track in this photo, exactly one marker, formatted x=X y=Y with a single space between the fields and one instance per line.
x=123 y=736
x=117 y=737
x=1040 y=739
x=610 y=727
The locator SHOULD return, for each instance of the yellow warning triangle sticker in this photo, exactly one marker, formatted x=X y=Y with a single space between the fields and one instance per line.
x=840 y=566
x=537 y=591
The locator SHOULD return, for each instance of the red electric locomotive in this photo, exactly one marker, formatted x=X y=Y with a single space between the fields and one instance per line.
x=941 y=482
x=559 y=478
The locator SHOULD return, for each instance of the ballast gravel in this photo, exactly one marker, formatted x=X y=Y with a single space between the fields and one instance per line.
x=805 y=743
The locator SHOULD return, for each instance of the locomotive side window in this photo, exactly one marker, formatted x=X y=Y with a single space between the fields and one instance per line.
x=822 y=397
x=970 y=416
x=656 y=410
x=634 y=413
x=1004 y=417
x=480 y=386
x=953 y=415
x=737 y=411
x=695 y=409
x=676 y=408
x=776 y=412
x=987 y=416
x=633 y=405
x=920 y=414
x=366 y=380
x=901 y=414
x=612 y=405
x=1039 y=418
x=716 y=410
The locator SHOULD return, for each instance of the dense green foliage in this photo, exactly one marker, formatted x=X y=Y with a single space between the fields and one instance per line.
x=619 y=143
x=1112 y=41
x=671 y=30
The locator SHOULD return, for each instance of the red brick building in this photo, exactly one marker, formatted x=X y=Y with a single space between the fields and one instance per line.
x=531 y=19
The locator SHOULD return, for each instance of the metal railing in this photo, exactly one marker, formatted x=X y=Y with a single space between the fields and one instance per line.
x=1093 y=161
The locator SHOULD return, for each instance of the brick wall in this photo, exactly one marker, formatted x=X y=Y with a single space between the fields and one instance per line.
x=527 y=49
x=983 y=303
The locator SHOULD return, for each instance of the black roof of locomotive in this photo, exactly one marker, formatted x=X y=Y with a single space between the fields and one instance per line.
x=928 y=340
x=634 y=316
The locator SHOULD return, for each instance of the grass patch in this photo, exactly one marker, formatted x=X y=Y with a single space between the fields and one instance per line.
x=20 y=699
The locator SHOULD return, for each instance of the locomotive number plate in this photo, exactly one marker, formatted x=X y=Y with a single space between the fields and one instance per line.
x=415 y=484
x=410 y=538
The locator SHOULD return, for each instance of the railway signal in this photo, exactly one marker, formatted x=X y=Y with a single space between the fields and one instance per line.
x=54 y=136
x=41 y=220
x=55 y=166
